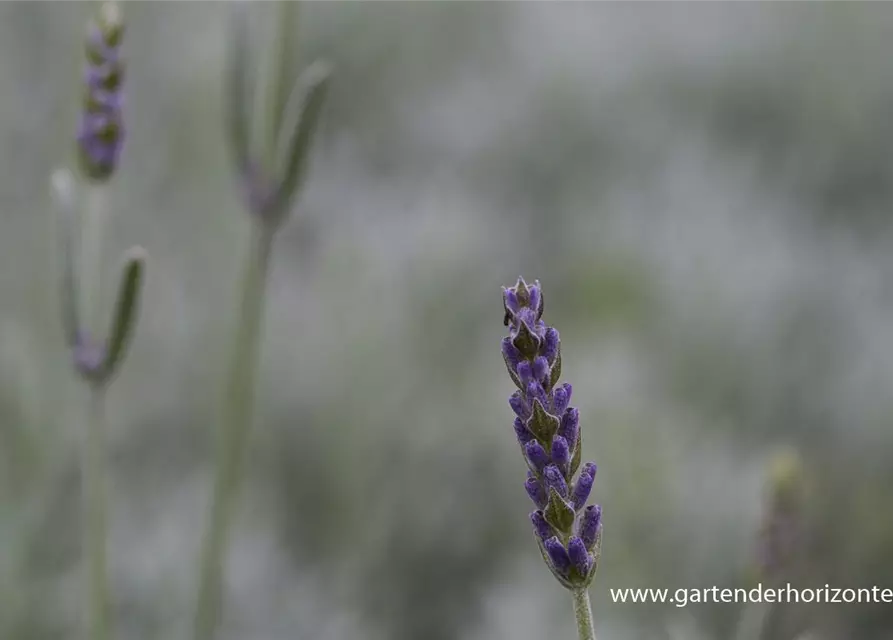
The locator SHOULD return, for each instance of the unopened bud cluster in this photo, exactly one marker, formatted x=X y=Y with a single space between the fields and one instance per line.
x=547 y=428
x=101 y=129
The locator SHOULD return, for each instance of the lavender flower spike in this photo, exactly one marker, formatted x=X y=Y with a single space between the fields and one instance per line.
x=567 y=531
x=101 y=129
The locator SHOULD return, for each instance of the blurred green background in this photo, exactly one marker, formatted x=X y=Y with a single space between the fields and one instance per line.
x=705 y=192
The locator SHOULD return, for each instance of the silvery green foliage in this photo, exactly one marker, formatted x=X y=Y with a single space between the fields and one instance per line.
x=567 y=531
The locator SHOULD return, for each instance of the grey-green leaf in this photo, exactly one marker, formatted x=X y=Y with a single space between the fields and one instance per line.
x=555 y=373
x=299 y=123
x=526 y=341
x=542 y=424
x=577 y=456
x=559 y=513
x=126 y=310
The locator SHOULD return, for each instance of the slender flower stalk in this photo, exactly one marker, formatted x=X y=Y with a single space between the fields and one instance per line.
x=568 y=532
x=781 y=537
x=271 y=151
x=99 y=141
x=94 y=466
x=583 y=614
x=234 y=428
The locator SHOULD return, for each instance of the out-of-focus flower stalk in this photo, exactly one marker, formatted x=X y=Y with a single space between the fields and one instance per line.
x=99 y=141
x=271 y=152
x=234 y=427
x=781 y=536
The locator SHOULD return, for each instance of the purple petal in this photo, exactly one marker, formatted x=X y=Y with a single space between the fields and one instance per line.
x=523 y=433
x=542 y=528
x=590 y=469
x=536 y=492
x=511 y=354
x=534 y=298
x=569 y=428
x=519 y=406
x=540 y=369
x=536 y=454
x=554 y=479
x=535 y=391
x=511 y=301
x=579 y=556
x=558 y=555
x=550 y=345
x=561 y=454
x=582 y=488
x=560 y=399
x=589 y=525
x=525 y=375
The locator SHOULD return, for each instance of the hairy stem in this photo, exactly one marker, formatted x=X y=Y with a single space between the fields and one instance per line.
x=233 y=435
x=94 y=487
x=583 y=614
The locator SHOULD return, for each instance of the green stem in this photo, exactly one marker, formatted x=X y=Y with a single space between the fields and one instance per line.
x=95 y=516
x=95 y=214
x=232 y=439
x=583 y=614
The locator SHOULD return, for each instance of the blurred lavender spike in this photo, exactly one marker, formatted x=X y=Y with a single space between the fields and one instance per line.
x=782 y=531
x=101 y=130
x=271 y=170
x=551 y=443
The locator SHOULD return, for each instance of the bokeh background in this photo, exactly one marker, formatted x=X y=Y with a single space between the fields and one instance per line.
x=705 y=192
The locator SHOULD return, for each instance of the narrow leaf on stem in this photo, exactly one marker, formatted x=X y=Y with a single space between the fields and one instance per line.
x=126 y=309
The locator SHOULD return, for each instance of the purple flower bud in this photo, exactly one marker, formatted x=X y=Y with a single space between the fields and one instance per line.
x=569 y=427
x=536 y=491
x=511 y=301
x=525 y=375
x=542 y=528
x=554 y=479
x=560 y=399
x=535 y=391
x=561 y=454
x=589 y=525
x=540 y=369
x=527 y=316
x=519 y=406
x=550 y=345
x=558 y=555
x=581 y=490
x=523 y=433
x=511 y=354
x=579 y=556
x=536 y=454
x=534 y=298
x=589 y=469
